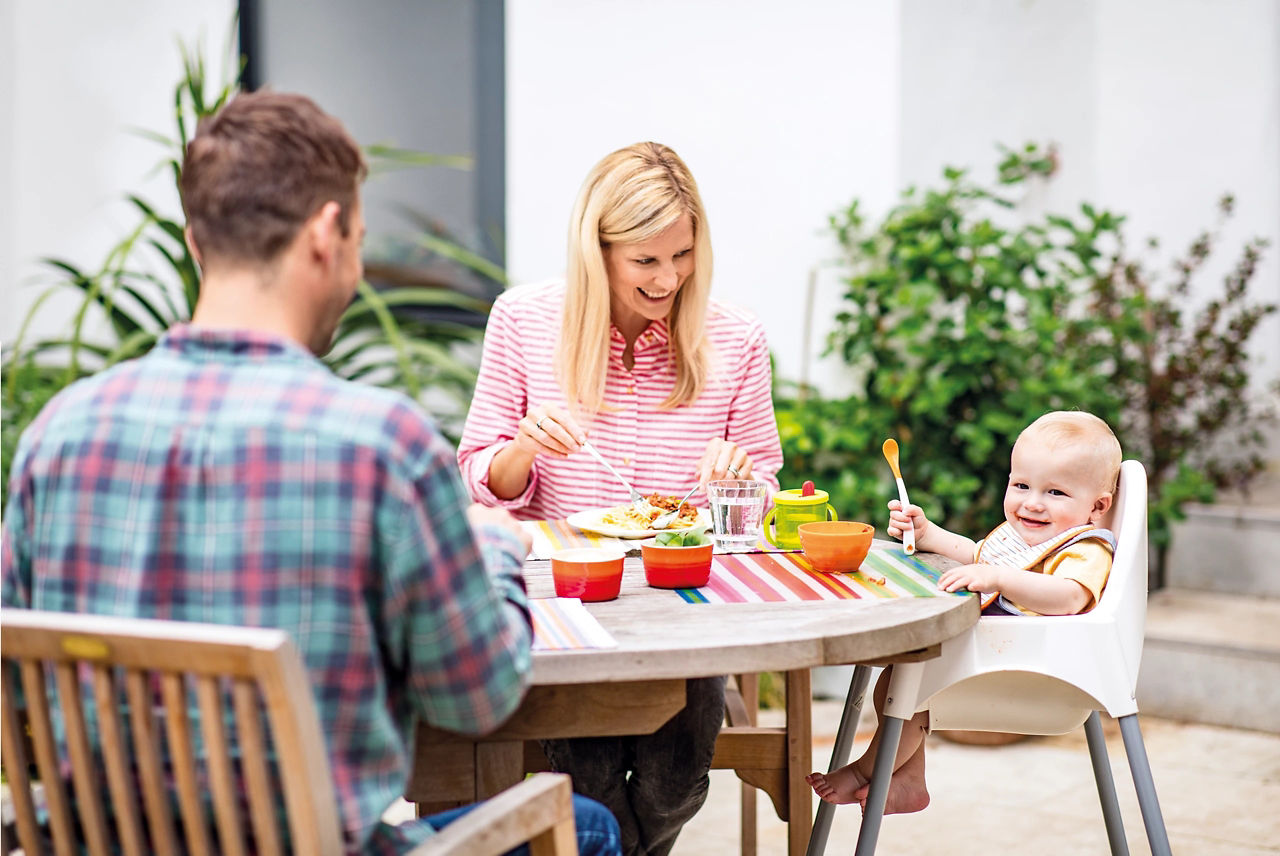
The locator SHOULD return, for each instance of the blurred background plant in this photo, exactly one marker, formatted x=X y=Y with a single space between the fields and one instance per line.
x=415 y=324
x=964 y=321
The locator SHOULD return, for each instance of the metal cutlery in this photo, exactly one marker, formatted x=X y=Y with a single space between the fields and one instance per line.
x=637 y=498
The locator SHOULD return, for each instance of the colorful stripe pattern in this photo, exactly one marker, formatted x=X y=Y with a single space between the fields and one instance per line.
x=563 y=624
x=778 y=577
x=552 y=535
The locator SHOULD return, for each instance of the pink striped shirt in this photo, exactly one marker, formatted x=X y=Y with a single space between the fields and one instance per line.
x=655 y=449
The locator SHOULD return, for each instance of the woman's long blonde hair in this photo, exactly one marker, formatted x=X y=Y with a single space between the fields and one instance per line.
x=631 y=196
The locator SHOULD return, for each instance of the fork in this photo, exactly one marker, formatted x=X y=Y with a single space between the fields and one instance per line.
x=637 y=498
x=662 y=521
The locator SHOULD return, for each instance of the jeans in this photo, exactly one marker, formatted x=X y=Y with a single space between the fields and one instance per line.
x=597 y=830
x=667 y=781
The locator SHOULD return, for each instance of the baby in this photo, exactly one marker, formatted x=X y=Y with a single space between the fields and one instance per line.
x=1049 y=557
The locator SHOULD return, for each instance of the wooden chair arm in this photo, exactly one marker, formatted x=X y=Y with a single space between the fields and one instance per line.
x=538 y=811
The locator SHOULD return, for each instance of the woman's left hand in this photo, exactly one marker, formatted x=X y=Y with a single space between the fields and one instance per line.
x=723 y=460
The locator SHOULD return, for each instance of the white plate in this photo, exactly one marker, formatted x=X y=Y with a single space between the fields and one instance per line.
x=592 y=520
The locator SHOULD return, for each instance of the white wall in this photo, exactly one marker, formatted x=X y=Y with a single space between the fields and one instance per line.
x=75 y=75
x=1158 y=109
x=783 y=111
x=787 y=111
x=8 y=168
x=1189 y=109
x=979 y=73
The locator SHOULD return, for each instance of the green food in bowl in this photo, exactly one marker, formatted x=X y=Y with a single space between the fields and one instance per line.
x=693 y=537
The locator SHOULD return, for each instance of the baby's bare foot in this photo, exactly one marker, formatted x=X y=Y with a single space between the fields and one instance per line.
x=839 y=786
x=907 y=791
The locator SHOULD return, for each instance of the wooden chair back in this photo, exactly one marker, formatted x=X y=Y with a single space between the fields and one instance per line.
x=87 y=670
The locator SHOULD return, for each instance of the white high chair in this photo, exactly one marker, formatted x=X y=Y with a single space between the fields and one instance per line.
x=1040 y=675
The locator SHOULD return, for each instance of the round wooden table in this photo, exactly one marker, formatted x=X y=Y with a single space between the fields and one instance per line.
x=662 y=640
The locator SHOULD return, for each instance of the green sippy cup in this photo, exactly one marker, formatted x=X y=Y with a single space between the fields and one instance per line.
x=790 y=509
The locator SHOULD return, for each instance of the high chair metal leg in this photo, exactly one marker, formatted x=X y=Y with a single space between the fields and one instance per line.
x=1140 y=767
x=869 y=832
x=1106 y=785
x=899 y=706
x=840 y=755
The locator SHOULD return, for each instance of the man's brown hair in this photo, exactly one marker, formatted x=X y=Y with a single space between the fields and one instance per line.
x=259 y=168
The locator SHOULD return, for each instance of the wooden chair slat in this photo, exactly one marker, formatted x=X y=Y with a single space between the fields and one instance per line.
x=218 y=760
x=182 y=758
x=253 y=754
x=16 y=763
x=147 y=755
x=304 y=771
x=92 y=820
x=115 y=757
x=55 y=794
x=539 y=810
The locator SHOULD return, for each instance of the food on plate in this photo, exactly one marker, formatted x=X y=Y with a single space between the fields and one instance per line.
x=640 y=519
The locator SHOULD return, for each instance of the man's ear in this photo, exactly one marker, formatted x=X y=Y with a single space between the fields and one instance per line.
x=1101 y=506
x=191 y=245
x=324 y=231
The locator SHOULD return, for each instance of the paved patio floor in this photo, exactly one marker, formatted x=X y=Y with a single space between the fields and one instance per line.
x=1219 y=789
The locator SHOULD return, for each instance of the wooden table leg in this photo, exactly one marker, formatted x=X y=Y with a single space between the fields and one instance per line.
x=799 y=760
x=749 y=691
x=499 y=765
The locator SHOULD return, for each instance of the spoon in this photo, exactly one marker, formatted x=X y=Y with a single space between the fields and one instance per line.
x=664 y=520
x=890 y=449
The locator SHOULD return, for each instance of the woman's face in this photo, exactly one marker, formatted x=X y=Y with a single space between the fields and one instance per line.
x=644 y=277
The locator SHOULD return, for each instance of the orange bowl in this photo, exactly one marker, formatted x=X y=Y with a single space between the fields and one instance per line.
x=676 y=567
x=836 y=546
x=588 y=573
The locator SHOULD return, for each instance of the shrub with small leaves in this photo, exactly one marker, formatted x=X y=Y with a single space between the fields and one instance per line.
x=962 y=323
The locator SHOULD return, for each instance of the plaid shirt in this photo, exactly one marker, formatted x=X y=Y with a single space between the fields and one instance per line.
x=229 y=477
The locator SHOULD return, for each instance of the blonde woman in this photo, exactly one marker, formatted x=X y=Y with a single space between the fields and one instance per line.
x=671 y=385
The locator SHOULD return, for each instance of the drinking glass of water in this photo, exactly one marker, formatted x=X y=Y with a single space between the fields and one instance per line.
x=737 y=506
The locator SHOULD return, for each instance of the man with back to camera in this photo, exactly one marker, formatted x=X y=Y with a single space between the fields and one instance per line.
x=229 y=477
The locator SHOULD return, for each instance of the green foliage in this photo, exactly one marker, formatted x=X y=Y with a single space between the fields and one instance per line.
x=404 y=338
x=1184 y=376
x=962 y=323
x=693 y=537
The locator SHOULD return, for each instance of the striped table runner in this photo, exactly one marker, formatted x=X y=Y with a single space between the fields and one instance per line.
x=563 y=623
x=777 y=577
x=552 y=535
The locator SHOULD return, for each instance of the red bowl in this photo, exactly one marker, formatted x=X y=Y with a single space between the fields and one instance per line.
x=588 y=573
x=676 y=567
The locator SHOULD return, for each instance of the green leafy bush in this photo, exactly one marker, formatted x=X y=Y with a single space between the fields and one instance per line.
x=962 y=323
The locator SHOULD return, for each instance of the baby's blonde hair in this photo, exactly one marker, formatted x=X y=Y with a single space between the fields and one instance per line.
x=1086 y=436
x=631 y=196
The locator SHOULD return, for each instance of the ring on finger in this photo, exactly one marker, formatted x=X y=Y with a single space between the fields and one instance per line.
x=538 y=424
x=734 y=470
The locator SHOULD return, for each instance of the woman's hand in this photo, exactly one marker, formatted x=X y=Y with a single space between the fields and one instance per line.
x=546 y=429
x=723 y=460
x=549 y=430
